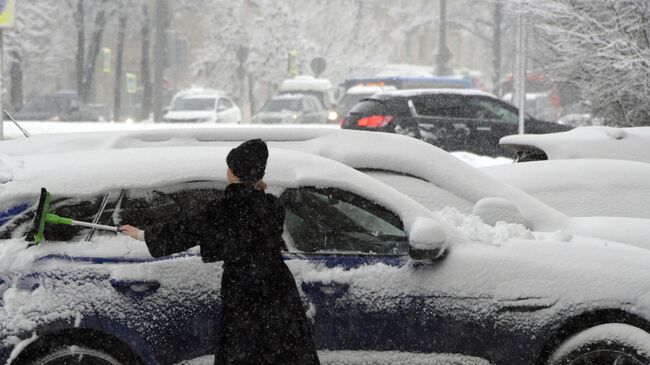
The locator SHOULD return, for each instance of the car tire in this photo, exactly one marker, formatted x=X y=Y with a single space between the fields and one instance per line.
x=76 y=355
x=407 y=129
x=612 y=343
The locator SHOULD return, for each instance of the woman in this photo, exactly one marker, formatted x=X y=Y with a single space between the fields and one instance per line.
x=262 y=318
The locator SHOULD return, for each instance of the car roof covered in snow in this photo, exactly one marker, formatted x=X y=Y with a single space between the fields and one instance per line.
x=589 y=142
x=419 y=92
x=99 y=171
x=357 y=149
x=305 y=82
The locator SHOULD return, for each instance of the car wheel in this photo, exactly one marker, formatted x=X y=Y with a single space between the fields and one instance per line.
x=612 y=343
x=75 y=355
x=408 y=129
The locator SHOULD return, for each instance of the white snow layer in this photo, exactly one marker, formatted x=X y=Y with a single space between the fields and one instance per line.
x=459 y=182
x=584 y=187
x=590 y=142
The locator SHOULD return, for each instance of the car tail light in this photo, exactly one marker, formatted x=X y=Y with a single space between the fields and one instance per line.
x=375 y=121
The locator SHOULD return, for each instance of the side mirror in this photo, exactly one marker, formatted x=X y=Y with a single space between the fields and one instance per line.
x=427 y=240
x=493 y=210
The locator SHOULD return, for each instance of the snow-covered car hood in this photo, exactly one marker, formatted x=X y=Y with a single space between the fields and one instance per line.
x=589 y=142
x=188 y=114
x=583 y=187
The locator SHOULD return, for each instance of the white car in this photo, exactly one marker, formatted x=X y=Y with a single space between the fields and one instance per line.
x=583 y=142
x=384 y=279
x=203 y=106
x=583 y=187
x=424 y=172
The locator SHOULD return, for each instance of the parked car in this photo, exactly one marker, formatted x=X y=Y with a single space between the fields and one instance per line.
x=62 y=106
x=583 y=187
x=321 y=89
x=454 y=120
x=431 y=176
x=291 y=109
x=202 y=106
x=385 y=279
x=582 y=142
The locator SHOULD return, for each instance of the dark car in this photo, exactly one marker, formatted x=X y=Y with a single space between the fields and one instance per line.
x=292 y=109
x=455 y=120
x=62 y=106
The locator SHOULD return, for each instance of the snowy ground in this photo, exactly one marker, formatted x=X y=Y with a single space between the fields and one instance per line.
x=12 y=132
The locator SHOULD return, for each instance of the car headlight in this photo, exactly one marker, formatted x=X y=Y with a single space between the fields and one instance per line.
x=332 y=116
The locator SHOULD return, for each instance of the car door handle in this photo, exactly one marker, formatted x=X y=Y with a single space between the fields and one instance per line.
x=135 y=287
x=334 y=289
x=329 y=289
x=484 y=129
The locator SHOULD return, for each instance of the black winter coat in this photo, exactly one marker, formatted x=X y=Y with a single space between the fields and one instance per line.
x=262 y=317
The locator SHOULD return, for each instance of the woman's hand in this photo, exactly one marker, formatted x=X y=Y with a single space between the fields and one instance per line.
x=132 y=232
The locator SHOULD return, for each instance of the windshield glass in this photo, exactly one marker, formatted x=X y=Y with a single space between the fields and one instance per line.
x=194 y=104
x=280 y=105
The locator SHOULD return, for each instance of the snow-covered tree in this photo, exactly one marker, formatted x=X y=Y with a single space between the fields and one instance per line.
x=603 y=49
x=35 y=48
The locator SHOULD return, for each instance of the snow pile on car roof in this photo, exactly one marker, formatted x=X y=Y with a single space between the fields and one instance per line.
x=589 y=142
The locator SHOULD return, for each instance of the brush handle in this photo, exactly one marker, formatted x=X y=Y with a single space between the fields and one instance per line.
x=93 y=225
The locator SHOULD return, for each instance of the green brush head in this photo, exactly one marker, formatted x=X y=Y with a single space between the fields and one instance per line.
x=38 y=225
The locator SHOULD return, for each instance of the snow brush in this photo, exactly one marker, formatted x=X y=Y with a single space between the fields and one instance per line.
x=43 y=216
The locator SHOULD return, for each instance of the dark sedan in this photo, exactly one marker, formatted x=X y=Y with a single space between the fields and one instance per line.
x=455 y=120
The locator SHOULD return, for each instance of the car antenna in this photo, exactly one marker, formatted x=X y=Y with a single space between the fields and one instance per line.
x=25 y=133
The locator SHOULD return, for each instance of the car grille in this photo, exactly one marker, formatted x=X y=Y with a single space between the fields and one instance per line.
x=272 y=120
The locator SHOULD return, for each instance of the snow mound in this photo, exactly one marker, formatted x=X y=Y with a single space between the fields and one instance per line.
x=589 y=142
x=476 y=230
x=494 y=210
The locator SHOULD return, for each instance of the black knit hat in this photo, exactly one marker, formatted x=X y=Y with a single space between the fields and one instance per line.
x=248 y=160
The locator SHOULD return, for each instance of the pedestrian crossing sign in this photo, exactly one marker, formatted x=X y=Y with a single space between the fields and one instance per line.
x=7 y=13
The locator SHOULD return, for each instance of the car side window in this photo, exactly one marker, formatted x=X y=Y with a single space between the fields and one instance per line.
x=336 y=221
x=442 y=106
x=143 y=207
x=485 y=108
x=224 y=104
x=307 y=106
x=78 y=208
x=315 y=104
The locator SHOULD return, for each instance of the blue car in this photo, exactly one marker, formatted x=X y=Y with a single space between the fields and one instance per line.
x=383 y=279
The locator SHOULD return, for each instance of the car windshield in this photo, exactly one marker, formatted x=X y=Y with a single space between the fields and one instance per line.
x=194 y=104
x=280 y=105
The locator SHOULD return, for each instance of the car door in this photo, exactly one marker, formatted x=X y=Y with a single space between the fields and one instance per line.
x=226 y=112
x=444 y=121
x=492 y=120
x=366 y=298
x=177 y=296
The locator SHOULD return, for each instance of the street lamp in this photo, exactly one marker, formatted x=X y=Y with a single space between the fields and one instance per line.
x=444 y=55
